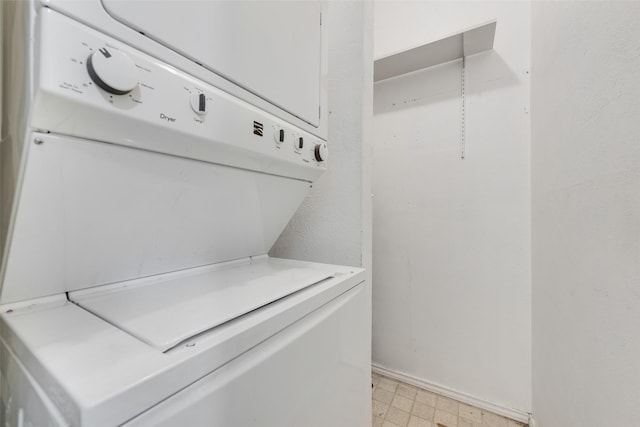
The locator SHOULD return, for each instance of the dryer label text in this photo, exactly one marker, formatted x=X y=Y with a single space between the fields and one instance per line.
x=167 y=118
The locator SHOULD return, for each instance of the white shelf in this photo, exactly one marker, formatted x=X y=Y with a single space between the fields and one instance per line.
x=464 y=43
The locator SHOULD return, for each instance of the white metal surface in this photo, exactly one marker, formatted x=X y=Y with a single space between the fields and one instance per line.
x=232 y=38
x=157 y=115
x=92 y=213
x=167 y=311
x=98 y=375
x=23 y=403
x=467 y=42
x=326 y=361
x=139 y=194
x=93 y=14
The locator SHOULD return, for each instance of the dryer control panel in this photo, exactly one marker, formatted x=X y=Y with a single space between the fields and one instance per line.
x=95 y=87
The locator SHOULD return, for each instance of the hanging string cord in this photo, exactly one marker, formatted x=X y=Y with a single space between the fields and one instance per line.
x=462 y=124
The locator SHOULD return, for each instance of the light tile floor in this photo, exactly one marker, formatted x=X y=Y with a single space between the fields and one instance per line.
x=396 y=404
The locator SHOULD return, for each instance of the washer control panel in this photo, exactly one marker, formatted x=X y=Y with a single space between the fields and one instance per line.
x=95 y=87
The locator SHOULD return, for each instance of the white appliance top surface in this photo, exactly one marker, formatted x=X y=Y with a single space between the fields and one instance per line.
x=165 y=312
x=99 y=375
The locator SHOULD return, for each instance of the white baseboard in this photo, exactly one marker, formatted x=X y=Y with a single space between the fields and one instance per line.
x=532 y=422
x=514 y=414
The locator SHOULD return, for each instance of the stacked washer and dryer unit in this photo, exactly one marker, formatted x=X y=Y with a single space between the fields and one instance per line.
x=152 y=153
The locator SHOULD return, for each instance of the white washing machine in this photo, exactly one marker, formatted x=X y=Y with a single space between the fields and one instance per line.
x=152 y=153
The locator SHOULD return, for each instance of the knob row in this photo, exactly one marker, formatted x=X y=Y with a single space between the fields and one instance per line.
x=115 y=72
x=320 y=149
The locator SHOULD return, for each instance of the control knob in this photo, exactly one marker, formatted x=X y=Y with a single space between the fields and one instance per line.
x=321 y=152
x=112 y=71
x=279 y=134
x=199 y=103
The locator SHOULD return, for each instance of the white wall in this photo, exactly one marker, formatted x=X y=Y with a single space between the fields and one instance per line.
x=452 y=303
x=586 y=213
x=333 y=225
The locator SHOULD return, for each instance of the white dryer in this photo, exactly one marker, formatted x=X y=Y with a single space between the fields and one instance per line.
x=152 y=154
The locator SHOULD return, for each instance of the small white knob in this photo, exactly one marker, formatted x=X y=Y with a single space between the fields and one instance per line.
x=321 y=152
x=279 y=134
x=112 y=71
x=199 y=103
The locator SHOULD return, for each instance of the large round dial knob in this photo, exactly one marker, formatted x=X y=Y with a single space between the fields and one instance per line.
x=112 y=70
x=321 y=152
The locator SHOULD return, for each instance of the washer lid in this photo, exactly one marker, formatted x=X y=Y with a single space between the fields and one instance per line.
x=164 y=311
